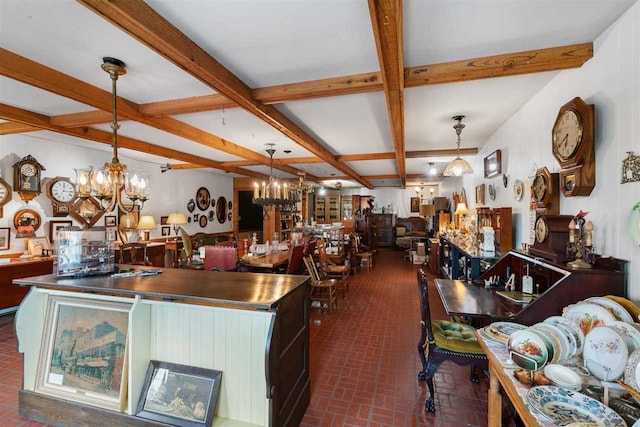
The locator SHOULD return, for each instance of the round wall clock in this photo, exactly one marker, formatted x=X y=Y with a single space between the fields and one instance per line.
x=191 y=205
x=5 y=194
x=62 y=194
x=203 y=198
x=202 y=221
x=26 y=222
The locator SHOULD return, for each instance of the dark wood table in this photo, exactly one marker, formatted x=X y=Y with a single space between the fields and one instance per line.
x=466 y=299
x=270 y=261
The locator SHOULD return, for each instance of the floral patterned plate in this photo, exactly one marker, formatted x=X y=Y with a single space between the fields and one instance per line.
x=632 y=372
x=588 y=315
x=630 y=335
x=605 y=353
x=618 y=311
x=565 y=407
x=528 y=349
x=505 y=329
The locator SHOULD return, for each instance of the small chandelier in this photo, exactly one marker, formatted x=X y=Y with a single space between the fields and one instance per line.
x=458 y=166
x=106 y=184
x=272 y=193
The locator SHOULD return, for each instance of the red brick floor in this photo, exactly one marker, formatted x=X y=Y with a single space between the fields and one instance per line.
x=363 y=360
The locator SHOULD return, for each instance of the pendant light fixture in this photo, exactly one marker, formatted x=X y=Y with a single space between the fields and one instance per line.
x=458 y=166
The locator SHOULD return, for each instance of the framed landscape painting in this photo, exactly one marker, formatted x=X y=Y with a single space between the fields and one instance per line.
x=179 y=395
x=83 y=356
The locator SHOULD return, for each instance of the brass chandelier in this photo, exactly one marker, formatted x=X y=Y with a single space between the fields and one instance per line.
x=107 y=184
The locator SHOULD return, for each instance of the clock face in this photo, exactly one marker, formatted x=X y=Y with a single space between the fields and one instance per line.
x=541 y=230
x=567 y=134
x=28 y=169
x=4 y=192
x=539 y=188
x=63 y=191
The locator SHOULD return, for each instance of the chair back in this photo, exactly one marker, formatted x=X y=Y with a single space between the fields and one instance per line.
x=311 y=269
x=221 y=258
x=295 y=259
x=134 y=250
x=310 y=246
x=425 y=312
x=322 y=252
x=186 y=246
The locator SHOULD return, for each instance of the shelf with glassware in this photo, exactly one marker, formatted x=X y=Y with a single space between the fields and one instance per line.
x=459 y=259
x=327 y=208
x=333 y=235
x=501 y=220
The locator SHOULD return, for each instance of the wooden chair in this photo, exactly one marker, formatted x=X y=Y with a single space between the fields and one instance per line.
x=134 y=250
x=187 y=249
x=221 y=258
x=329 y=270
x=361 y=254
x=322 y=291
x=296 y=253
x=443 y=340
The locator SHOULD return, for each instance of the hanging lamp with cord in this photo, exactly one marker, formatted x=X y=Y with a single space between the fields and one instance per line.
x=458 y=166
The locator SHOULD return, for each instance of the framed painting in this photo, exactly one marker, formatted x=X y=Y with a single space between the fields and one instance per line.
x=83 y=355
x=5 y=238
x=55 y=226
x=110 y=221
x=415 y=204
x=493 y=164
x=179 y=395
x=166 y=231
x=163 y=220
x=480 y=194
x=38 y=246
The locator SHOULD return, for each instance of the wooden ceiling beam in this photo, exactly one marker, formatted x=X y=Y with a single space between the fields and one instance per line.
x=41 y=121
x=8 y=128
x=386 y=20
x=139 y=20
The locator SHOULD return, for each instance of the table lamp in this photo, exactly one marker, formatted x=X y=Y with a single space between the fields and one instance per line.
x=146 y=224
x=176 y=219
x=428 y=211
x=462 y=211
x=128 y=224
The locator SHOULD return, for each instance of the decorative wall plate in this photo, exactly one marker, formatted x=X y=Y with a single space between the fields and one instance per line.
x=191 y=206
x=203 y=198
x=518 y=189
x=203 y=221
x=213 y=203
x=632 y=371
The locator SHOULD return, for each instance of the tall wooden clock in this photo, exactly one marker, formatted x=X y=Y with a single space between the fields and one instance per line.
x=573 y=147
x=5 y=194
x=26 y=178
x=551 y=237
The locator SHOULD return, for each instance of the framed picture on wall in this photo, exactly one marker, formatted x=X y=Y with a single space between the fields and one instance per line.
x=415 y=204
x=166 y=231
x=5 y=238
x=163 y=220
x=493 y=164
x=110 y=221
x=55 y=226
x=480 y=193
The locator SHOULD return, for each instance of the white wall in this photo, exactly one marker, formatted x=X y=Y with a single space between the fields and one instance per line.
x=610 y=81
x=170 y=191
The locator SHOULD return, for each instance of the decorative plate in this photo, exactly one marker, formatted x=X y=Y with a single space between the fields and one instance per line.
x=518 y=189
x=563 y=377
x=505 y=329
x=551 y=340
x=213 y=203
x=528 y=350
x=191 y=205
x=559 y=334
x=202 y=221
x=634 y=223
x=632 y=371
x=488 y=335
x=565 y=407
x=630 y=335
x=588 y=315
x=605 y=353
x=203 y=198
x=618 y=311
x=573 y=327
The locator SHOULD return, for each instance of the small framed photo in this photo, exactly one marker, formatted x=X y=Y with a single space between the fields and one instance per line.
x=480 y=194
x=110 y=221
x=55 y=226
x=493 y=164
x=38 y=246
x=5 y=238
x=166 y=231
x=163 y=220
x=415 y=204
x=179 y=395
x=74 y=364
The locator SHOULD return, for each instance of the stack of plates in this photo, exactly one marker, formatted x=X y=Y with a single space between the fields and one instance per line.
x=563 y=377
x=500 y=331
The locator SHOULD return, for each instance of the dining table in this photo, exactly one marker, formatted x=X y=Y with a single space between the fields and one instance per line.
x=268 y=262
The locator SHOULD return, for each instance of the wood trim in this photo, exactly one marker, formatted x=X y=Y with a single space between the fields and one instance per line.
x=386 y=20
x=147 y=26
x=8 y=128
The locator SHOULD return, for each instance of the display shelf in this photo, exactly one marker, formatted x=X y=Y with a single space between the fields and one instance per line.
x=463 y=263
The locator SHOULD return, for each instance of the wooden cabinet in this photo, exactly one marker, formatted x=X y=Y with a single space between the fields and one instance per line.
x=382 y=229
x=434 y=256
x=363 y=228
x=155 y=254
x=254 y=328
x=459 y=263
x=501 y=220
x=11 y=295
x=558 y=284
x=327 y=208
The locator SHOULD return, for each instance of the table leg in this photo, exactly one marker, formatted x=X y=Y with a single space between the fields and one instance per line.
x=495 y=398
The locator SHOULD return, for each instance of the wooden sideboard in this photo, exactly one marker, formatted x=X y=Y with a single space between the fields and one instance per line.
x=10 y=294
x=252 y=327
x=382 y=229
x=155 y=254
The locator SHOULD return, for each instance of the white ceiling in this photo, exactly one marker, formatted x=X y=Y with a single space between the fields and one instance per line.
x=273 y=42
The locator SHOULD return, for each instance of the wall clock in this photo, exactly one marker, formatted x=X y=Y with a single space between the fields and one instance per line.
x=86 y=211
x=5 y=194
x=26 y=222
x=573 y=146
x=26 y=178
x=203 y=198
x=62 y=193
x=544 y=191
x=551 y=237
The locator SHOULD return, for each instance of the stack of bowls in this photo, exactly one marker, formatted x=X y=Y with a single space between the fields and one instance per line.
x=563 y=377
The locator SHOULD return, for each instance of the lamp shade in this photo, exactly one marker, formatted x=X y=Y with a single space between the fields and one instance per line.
x=146 y=223
x=128 y=222
x=457 y=167
x=176 y=218
x=427 y=210
x=461 y=209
